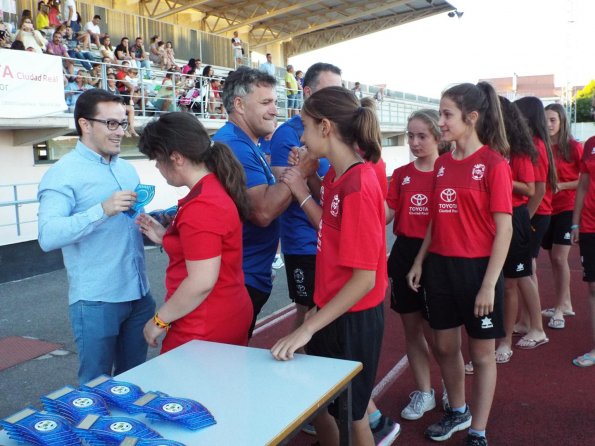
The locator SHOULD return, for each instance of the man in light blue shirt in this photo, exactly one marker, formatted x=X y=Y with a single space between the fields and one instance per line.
x=268 y=67
x=83 y=200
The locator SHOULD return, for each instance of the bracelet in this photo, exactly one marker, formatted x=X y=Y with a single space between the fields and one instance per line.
x=574 y=227
x=305 y=199
x=157 y=321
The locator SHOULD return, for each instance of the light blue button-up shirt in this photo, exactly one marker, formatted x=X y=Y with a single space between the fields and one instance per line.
x=103 y=255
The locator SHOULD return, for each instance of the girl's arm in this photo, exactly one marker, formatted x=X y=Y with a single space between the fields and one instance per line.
x=414 y=274
x=581 y=191
x=535 y=199
x=484 y=301
x=293 y=178
x=522 y=188
x=568 y=185
x=201 y=279
x=360 y=283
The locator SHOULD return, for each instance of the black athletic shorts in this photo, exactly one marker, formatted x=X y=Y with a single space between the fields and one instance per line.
x=558 y=233
x=300 y=270
x=518 y=261
x=353 y=336
x=587 y=247
x=539 y=225
x=451 y=285
x=403 y=299
x=258 y=298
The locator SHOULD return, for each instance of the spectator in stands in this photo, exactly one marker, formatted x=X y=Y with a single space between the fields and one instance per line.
x=164 y=101
x=31 y=37
x=154 y=53
x=123 y=52
x=299 y=77
x=42 y=21
x=268 y=66
x=54 y=13
x=17 y=45
x=95 y=73
x=357 y=90
x=70 y=15
x=57 y=48
x=107 y=50
x=193 y=64
x=379 y=95
x=5 y=36
x=215 y=104
x=141 y=56
x=80 y=41
x=292 y=89
x=238 y=51
x=74 y=89
x=82 y=203
x=92 y=28
x=113 y=89
x=249 y=98
x=169 y=57
x=128 y=86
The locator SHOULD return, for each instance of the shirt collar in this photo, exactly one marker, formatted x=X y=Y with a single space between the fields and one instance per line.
x=82 y=149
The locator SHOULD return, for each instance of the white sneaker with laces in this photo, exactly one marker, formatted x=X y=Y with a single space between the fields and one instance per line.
x=420 y=403
x=278 y=262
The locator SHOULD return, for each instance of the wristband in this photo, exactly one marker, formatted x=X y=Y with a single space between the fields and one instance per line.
x=574 y=227
x=157 y=321
x=305 y=200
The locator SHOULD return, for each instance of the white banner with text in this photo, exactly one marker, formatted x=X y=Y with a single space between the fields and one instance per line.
x=31 y=85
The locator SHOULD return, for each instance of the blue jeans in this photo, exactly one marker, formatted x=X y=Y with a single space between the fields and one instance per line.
x=109 y=336
x=83 y=56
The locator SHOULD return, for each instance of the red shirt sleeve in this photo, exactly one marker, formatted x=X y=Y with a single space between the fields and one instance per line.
x=500 y=181
x=201 y=234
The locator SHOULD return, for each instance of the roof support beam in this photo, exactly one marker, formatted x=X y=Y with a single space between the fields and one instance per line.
x=178 y=9
x=331 y=23
x=267 y=16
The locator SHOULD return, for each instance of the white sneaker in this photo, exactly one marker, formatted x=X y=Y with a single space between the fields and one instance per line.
x=420 y=403
x=278 y=263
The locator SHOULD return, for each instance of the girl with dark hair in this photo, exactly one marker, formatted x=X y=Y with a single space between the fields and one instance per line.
x=557 y=240
x=408 y=202
x=350 y=280
x=517 y=268
x=466 y=245
x=583 y=233
x=206 y=297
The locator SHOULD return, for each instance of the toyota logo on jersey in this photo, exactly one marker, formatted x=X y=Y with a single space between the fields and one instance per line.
x=419 y=205
x=448 y=205
x=419 y=200
x=478 y=171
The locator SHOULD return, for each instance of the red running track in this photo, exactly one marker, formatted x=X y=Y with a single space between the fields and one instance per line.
x=541 y=398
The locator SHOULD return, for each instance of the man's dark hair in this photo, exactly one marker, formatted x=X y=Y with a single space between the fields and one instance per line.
x=241 y=82
x=96 y=16
x=86 y=105
x=313 y=73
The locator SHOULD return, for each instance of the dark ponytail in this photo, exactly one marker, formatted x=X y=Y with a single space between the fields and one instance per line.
x=356 y=122
x=517 y=131
x=483 y=99
x=183 y=133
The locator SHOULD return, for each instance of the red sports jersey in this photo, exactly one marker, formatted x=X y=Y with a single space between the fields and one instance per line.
x=351 y=235
x=409 y=195
x=466 y=194
x=567 y=171
x=207 y=225
x=587 y=222
x=541 y=170
x=380 y=170
x=522 y=171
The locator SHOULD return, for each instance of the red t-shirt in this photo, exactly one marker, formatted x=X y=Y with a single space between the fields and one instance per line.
x=207 y=225
x=409 y=195
x=380 y=170
x=351 y=235
x=567 y=171
x=466 y=194
x=522 y=171
x=587 y=221
x=541 y=169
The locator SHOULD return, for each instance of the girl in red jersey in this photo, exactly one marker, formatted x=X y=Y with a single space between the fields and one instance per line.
x=408 y=202
x=351 y=276
x=517 y=268
x=466 y=246
x=583 y=233
x=206 y=297
x=557 y=240
x=539 y=207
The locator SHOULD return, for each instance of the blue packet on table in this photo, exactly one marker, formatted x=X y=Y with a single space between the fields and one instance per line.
x=144 y=195
x=184 y=411
x=116 y=393
x=131 y=441
x=73 y=404
x=97 y=429
x=40 y=428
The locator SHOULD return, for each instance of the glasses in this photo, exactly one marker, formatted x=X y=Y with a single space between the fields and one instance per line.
x=111 y=124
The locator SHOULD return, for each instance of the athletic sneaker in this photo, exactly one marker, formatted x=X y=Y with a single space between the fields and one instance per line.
x=386 y=431
x=445 y=402
x=476 y=440
x=278 y=263
x=420 y=403
x=309 y=429
x=450 y=423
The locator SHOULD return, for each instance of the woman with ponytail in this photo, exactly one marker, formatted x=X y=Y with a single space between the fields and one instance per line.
x=351 y=279
x=466 y=245
x=206 y=297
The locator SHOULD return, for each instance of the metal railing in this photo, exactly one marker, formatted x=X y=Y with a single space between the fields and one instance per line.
x=16 y=203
